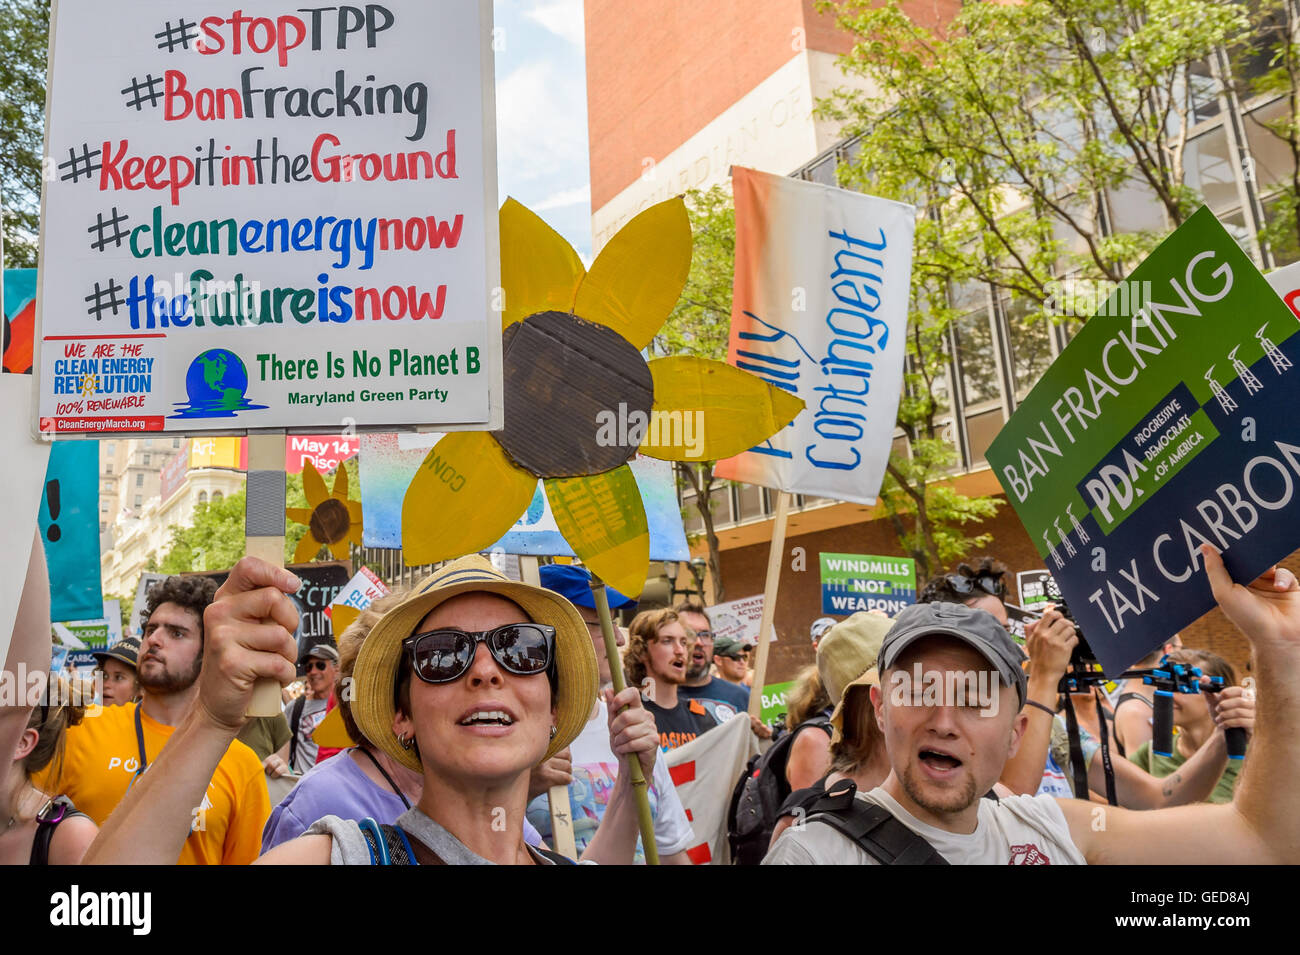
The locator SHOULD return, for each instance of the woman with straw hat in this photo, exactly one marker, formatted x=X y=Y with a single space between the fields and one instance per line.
x=471 y=681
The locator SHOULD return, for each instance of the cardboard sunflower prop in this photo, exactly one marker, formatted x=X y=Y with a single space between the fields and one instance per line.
x=332 y=520
x=580 y=401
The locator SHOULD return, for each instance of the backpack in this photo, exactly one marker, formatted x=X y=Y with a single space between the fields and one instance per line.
x=871 y=826
x=757 y=797
x=389 y=845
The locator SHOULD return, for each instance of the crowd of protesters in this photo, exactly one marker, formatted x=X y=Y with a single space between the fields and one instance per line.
x=469 y=698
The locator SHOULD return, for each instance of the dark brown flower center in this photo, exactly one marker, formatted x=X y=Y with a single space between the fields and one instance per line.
x=577 y=396
x=330 y=521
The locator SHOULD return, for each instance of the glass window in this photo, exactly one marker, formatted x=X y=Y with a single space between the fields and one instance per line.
x=139 y=501
x=148 y=442
x=1209 y=169
x=1205 y=92
x=176 y=442
x=109 y=448
x=1031 y=343
x=977 y=357
x=203 y=497
x=103 y=507
x=139 y=479
x=750 y=500
x=981 y=429
x=1286 y=248
x=146 y=460
x=824 y=172
x=1270 y=157
x=217 y=496
x=1135 y=208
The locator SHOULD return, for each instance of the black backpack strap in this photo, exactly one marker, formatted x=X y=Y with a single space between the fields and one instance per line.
x=295 y=718
x=554 y=856
x=54 y=812
x=874 y=829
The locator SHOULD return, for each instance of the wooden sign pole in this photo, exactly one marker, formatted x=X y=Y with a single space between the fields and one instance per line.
x=774 y=557
x=645 y=818
x=264 y=520
x=563 y=840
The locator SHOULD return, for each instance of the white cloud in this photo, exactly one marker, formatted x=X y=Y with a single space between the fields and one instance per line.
x=541 y=124
x=565 y=198
x=561 y=17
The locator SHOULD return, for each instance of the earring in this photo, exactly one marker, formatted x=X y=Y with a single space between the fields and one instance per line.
x=554 y=730
x=406 y=741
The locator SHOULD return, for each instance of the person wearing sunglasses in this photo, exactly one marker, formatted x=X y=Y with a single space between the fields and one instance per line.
x=981 y=586
x=321 y=664
x=471 y=681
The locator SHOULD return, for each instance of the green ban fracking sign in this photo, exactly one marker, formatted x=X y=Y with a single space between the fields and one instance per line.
x=773 y=701
x=1168 y=422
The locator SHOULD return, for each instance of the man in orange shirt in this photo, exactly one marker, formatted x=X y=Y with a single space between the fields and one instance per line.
x=106 y=753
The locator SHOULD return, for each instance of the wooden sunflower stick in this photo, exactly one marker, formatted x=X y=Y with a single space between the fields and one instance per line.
x=639 y=790
x=264 y=533
x=563 y=839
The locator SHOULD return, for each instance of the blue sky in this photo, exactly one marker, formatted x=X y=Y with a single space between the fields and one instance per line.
x=542 y=158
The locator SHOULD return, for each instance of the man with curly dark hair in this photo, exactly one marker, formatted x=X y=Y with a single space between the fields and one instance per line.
x=107 y=753
x=978 y=584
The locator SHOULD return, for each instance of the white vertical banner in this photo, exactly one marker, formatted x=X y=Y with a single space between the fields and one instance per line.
x=820 y=309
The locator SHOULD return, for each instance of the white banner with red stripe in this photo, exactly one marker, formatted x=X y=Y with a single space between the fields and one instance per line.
x=705 y=772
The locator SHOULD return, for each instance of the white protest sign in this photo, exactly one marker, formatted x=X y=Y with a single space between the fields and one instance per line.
x=738 y=619
x=275 y=216
x=838 y=341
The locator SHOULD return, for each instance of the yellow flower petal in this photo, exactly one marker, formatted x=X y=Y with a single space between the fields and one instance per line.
x=313 y=485
x=539 y=270
x=341 y=483
x=603 y=519
x=465 y=495
x=332 y=732
x=708 y=410
x=354 y=512
x=638 y=277
x=299 y=515
x=340 y=549
x=341 y=617
x=308 y=547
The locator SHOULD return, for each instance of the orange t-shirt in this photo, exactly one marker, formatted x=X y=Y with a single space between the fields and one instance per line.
x=100 y=763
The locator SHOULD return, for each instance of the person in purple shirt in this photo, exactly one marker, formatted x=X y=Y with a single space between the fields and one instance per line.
x=361 y=782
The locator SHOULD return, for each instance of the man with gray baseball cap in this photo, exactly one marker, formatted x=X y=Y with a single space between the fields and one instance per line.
x=947 y=743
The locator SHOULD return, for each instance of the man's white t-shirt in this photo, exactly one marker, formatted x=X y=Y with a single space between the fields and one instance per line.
x=1015 y=830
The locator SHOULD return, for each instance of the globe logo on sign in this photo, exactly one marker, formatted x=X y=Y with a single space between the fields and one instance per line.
x=216 y=384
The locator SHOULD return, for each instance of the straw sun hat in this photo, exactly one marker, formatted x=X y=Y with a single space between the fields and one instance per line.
x=375 y=674
x=846 y=660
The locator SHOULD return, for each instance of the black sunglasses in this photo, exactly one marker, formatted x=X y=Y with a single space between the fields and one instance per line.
x=442 y=656
x=989 y=583
x=317 y=665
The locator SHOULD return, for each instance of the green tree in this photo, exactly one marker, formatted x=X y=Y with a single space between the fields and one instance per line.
x=699 y=325
x=215 y=541
x=24 y=42
x=1026 y=134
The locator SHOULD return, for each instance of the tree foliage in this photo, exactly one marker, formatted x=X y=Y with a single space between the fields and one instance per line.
x=215 y=541
x=1027 y=135
x=24 y=40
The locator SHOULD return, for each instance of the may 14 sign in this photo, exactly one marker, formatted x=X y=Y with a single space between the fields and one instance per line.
x=1169 y=422
x=272 y=217
x=853 y=582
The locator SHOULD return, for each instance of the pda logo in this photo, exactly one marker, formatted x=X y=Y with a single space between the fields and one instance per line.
x=74 y=908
